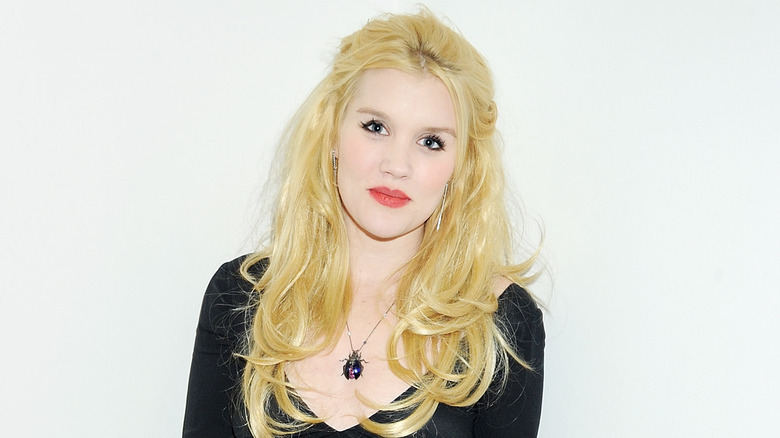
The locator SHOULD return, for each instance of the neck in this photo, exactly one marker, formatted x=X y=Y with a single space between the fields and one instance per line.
x=376 y=265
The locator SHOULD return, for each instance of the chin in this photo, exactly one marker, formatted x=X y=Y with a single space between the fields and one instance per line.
x=385 y=227
x=386 y=233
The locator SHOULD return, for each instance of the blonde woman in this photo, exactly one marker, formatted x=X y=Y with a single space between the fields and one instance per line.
x=386 y=303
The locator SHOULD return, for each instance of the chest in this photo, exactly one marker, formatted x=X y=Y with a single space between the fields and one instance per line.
x=321 y=383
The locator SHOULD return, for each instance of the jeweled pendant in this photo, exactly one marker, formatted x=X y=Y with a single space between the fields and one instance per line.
x=353 y=367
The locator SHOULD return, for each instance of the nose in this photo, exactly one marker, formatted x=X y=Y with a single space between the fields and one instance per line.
x=396 y=160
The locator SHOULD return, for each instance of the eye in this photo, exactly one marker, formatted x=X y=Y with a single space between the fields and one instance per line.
x=432 y=142
x=375 y=127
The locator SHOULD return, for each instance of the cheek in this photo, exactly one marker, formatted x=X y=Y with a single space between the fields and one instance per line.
x=352 y=157
x=357 y=153
x=442 y=173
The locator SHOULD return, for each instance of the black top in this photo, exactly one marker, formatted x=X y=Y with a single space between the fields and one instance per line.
x=214 y=407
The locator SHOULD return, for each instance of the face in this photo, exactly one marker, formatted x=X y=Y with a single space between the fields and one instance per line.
x=396 y=152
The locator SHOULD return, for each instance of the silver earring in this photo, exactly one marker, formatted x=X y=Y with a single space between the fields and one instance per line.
x=335 y=165
x=441 y=210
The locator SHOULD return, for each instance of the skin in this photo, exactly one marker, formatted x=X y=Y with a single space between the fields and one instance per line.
x=398 y=132
x=391 y=136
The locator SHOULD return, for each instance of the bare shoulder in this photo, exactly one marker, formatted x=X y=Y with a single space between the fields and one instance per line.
x=500 y=284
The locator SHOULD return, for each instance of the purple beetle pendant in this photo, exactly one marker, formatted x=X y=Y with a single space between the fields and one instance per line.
x=353 y=367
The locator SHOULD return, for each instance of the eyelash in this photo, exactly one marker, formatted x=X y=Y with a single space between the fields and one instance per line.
x=436 y=139
x=373 y=124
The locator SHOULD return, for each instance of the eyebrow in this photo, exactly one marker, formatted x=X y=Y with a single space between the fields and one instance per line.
x=381 y=115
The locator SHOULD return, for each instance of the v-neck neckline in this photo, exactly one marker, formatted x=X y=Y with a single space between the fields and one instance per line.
x=305 y=408
x=406 y=393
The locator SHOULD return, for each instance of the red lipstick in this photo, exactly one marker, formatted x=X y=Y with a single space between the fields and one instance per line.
x=388 y=197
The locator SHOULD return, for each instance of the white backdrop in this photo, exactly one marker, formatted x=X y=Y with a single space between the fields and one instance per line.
x=644 y=136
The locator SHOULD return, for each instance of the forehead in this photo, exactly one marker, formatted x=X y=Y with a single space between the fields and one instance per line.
x=408 y=96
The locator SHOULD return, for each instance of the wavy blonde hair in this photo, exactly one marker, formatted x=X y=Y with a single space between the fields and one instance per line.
x=445 y=299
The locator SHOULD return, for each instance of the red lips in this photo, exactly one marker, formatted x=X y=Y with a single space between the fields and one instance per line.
x=388 y=197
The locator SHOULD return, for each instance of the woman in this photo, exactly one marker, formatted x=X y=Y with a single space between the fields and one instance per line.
x=385 y=303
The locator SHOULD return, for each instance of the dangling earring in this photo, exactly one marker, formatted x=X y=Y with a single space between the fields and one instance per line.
x=441 y=210
x=334 y=160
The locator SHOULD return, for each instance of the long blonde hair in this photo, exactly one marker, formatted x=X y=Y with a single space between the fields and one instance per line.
x=445 y=299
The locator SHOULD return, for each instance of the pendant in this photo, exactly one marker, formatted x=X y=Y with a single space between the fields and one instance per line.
x=353 y=367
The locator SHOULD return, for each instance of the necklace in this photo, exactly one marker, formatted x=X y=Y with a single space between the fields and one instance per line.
x=353 y=366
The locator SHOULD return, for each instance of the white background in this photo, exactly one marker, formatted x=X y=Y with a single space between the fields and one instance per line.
x=643 y=135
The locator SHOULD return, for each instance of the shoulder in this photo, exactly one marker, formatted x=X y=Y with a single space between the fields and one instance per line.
x=228 y=280
x=512 y=407
x=228 y=276
x=228 y=296
x=515 y=298
x=521 y=320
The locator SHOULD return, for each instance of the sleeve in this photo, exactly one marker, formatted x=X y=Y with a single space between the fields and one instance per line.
x=215 y=372
x=514 y=410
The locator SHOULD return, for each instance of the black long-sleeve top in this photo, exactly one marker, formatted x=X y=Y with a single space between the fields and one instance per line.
x=214 y=408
